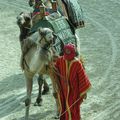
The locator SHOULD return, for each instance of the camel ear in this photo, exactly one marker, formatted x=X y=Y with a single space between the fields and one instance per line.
x=21 y=13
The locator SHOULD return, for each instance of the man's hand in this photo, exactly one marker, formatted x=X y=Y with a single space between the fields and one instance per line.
x=85 y=96
x=55 y=57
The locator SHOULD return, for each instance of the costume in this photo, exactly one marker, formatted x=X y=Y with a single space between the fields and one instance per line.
x=74 y=83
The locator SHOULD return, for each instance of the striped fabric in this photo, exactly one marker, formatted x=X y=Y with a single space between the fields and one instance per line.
x=74 y=83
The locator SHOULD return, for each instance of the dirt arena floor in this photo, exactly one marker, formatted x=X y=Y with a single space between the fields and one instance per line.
x=100 y=46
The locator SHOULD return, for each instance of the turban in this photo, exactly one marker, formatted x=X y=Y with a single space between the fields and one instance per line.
x=69 y=51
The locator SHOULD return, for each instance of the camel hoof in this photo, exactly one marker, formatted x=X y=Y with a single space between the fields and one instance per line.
x=57 y=117
x=38 y=102
x=27 y=102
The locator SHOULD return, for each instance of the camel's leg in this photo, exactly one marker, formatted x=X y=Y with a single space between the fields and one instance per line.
x=40 y=83
x=29 y=82
x=56 y=89
x=55 y=94
x=45 y=87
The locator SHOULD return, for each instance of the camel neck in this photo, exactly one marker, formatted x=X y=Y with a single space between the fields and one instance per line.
x=24 y=33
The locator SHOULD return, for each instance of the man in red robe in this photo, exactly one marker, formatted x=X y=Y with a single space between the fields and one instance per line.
x=73 y=83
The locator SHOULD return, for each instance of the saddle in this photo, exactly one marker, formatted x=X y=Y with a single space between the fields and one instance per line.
x=62 y=28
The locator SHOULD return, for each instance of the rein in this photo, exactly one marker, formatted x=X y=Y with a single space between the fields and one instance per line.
x=70 y=107
x=47 y=46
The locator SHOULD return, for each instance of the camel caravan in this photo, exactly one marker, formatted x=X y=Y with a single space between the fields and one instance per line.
x=43 y=35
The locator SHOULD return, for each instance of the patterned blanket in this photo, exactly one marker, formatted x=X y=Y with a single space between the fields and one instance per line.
x=75 y=12
x=61 y=26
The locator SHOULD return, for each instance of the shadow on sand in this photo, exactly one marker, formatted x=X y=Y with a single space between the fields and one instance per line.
x=12 y=82
x=38 y=116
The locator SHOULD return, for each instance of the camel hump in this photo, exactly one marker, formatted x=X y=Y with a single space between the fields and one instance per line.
x=43 y=23
x=30 y=42
x=27 y=44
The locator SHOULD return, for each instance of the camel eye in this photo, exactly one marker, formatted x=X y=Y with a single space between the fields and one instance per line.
x=27 y=18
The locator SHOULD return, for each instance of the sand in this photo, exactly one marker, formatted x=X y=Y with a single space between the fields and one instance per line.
x=100 y=43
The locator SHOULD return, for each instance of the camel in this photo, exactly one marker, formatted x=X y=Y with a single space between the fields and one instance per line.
x=37 y=57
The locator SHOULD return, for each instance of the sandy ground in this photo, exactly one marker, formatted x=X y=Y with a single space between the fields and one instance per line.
x=100 y=43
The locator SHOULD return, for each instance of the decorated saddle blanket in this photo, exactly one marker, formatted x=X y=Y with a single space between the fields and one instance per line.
x=61 y=27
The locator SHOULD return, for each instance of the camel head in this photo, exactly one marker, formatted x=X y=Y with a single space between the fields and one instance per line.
x=31 y=2
x=47 y=38
x=24 y=20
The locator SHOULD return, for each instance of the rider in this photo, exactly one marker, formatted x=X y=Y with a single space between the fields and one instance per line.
x=68 y=8
x=37 y=5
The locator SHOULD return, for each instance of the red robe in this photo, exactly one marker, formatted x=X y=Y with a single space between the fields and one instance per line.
x=74 y=83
